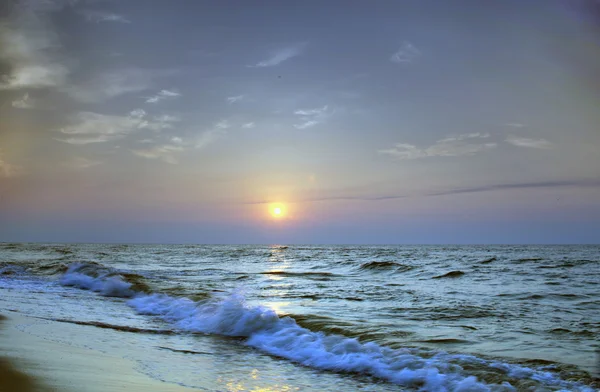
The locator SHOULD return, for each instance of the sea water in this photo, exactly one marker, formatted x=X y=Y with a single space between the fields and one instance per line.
x=323 y=318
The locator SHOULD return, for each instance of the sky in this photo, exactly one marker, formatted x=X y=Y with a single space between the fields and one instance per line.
x=370 y=122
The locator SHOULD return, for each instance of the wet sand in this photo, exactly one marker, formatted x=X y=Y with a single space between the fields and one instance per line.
x=31 y=363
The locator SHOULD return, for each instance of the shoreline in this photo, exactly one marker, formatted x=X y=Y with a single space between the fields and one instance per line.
x=11 y=378
x=30 y=363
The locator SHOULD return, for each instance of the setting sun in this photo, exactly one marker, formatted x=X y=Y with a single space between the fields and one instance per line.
x=277 y=210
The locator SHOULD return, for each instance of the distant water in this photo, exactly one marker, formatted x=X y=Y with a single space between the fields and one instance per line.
x=369 y=318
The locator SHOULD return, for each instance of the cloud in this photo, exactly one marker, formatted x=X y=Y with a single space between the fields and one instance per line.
x=138 y=113
x=30 y=48
x=89 y=127
x=23 y=103
x=168 y=151
x=208 y=137
x=529 y=143
x=514 y=125
x=583 y=183
x=158 y=123
x=235 y=99
x=279 y=56
x=115 y=83
x=162 y=94
x=571 y=183
x=223 y=124
x=167 y=118
x=453 y=146
x=80 y=163
x=165 y=152
x=406 y=54
x=306 y=124
x=311 y=117
x=8 y=170
x=249 y=125
x=102 y=16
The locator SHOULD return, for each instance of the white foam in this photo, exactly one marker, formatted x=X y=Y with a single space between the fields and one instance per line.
x=283 y=337
x=104 y=283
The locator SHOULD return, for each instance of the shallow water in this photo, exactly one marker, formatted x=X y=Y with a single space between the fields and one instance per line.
x=358 y=317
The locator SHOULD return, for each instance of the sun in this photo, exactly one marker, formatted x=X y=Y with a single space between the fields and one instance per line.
x=277 y=210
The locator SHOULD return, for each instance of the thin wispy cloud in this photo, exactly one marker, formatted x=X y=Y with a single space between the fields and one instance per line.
x=7 y=169
x=168 y=151
x=308 y=118
x=90 y=127
x=31 y=51
x=515 y=125
x=235 y=99
x=167 y=118
x=115 y=83
x=249 y=125
x=165 y=152
x=558 y=184
x=453 y=146
x=208 y=137
x=529 y=143
x=407 y=53
x=162 y=94
x=81 y=163
x=102 y=16
x=279 y=56
x=23 y=103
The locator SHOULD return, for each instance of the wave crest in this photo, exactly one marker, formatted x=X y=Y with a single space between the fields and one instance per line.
x=103 y=280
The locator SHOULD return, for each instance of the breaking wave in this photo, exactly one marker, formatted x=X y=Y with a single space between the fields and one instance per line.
x=103 y=280
x=285 y=338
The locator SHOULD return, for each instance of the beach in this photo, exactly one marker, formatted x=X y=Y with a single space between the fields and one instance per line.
x=40 y=363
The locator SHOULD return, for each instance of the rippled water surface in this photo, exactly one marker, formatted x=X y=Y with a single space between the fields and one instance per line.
x=361 y=317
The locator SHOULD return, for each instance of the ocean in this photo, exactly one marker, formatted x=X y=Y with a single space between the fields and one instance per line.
x=323 y=318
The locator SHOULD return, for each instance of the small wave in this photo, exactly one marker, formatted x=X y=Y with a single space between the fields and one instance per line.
x=449 y=313
x=525 y=259
x=103 y=280
x=12 y=246
x=357 y=299
x=584 y=332
x=552 y=296
x=52 y=267
x=9 y=269
x=444 y=341
x=567 y=264
x=307 y=274
x=384 y=266
x=36 y=267
x=487 y=261
x=451 y=274
x=63 y=251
